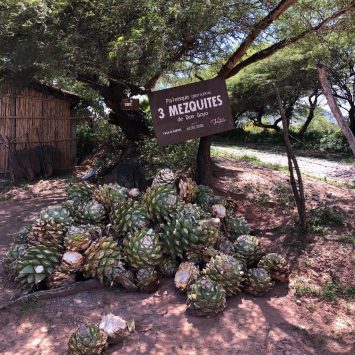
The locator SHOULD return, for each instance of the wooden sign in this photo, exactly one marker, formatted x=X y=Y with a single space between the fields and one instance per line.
x=130 y=104
x=191 y=111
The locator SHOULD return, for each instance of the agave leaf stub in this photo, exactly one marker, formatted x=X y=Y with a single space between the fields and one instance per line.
x=115 y=327
x=219 y=211
x=72 y=261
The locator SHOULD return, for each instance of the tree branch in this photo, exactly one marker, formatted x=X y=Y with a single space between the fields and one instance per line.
x=64 y=291
x=267 y=52
x=312 y=108
x=188 y=44
x=253 y=34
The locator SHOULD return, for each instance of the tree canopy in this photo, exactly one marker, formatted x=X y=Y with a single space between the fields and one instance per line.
x=123 y=48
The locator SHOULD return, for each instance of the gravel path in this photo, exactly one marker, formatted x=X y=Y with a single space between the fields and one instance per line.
x=320 y=168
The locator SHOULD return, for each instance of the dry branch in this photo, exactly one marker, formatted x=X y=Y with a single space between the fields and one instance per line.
x=296 y=185
x=55 y=293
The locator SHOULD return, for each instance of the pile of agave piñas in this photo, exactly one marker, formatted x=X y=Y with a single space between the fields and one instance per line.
x=173 y=229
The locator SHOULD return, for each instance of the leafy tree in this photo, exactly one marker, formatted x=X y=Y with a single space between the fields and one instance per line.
x=122 y=48
x=292 y=71
x=320 y=20
x=117 y=48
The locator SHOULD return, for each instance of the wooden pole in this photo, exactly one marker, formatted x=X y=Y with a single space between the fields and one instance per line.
x=296 y=184
x=327 y=91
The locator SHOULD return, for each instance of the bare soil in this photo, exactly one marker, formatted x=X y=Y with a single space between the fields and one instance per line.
x=277 y=323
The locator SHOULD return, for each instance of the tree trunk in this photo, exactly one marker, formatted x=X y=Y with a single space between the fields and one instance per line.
x=352 y=119
x=312 y=108
x=322 y=73
x=125 y=169
x=133 y=123
x=204 y=161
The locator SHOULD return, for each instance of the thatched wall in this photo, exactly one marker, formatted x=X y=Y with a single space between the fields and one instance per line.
x=30 y=118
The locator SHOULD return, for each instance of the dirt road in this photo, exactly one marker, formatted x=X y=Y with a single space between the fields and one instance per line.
x=343 y=172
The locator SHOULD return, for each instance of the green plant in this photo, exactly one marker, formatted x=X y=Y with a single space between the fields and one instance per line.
x=330 y=140
x=249 y=187
x=249 y=159
x=329 y=291
x=345 y=239
x=332 y=290
x=284 y=196
x=350 y=185
x=98 y=133
x=303 y=288
x=85 y=140
x=178 y=157
x=261 y=199
x=5 y=197
x=323 y=217
x=30 y=305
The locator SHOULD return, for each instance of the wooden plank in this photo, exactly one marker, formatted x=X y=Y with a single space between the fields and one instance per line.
x=47 y=141
x=45 y=118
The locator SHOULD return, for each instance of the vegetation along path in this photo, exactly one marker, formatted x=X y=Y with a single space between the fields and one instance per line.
x=336 y=170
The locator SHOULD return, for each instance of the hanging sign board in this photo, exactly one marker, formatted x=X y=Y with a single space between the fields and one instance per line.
x=191 y=111
x=130 y=104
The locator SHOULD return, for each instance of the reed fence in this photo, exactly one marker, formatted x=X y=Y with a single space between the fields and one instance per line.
x=28 y=118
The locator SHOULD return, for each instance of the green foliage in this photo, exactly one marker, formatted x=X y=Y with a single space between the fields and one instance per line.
x=346 y=239
x=333 y=290
x=252 y=92
x=303 y=288
x=323 y=217
x=284 y=196
x=329 y=292
x=29 y=305
x=250 y=159
x=178 y=157
x=323 y=141
x=261 y=198
x=96 y=134
x=319 y=123
x=85 y=140
x=119 y=41
x=334 y=142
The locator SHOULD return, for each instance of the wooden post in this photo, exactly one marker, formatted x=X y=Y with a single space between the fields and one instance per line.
x=204 y=163
x=12 y=134
x=327 y=91
x=296 y=185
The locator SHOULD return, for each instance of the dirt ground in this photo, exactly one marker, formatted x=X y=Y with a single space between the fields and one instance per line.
x=277 y=323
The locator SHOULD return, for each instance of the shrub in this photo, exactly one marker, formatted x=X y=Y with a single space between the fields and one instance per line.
x=323 y=217
x=178 y=157
x=332 y=141
x=90 y=135
x=85 y=140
